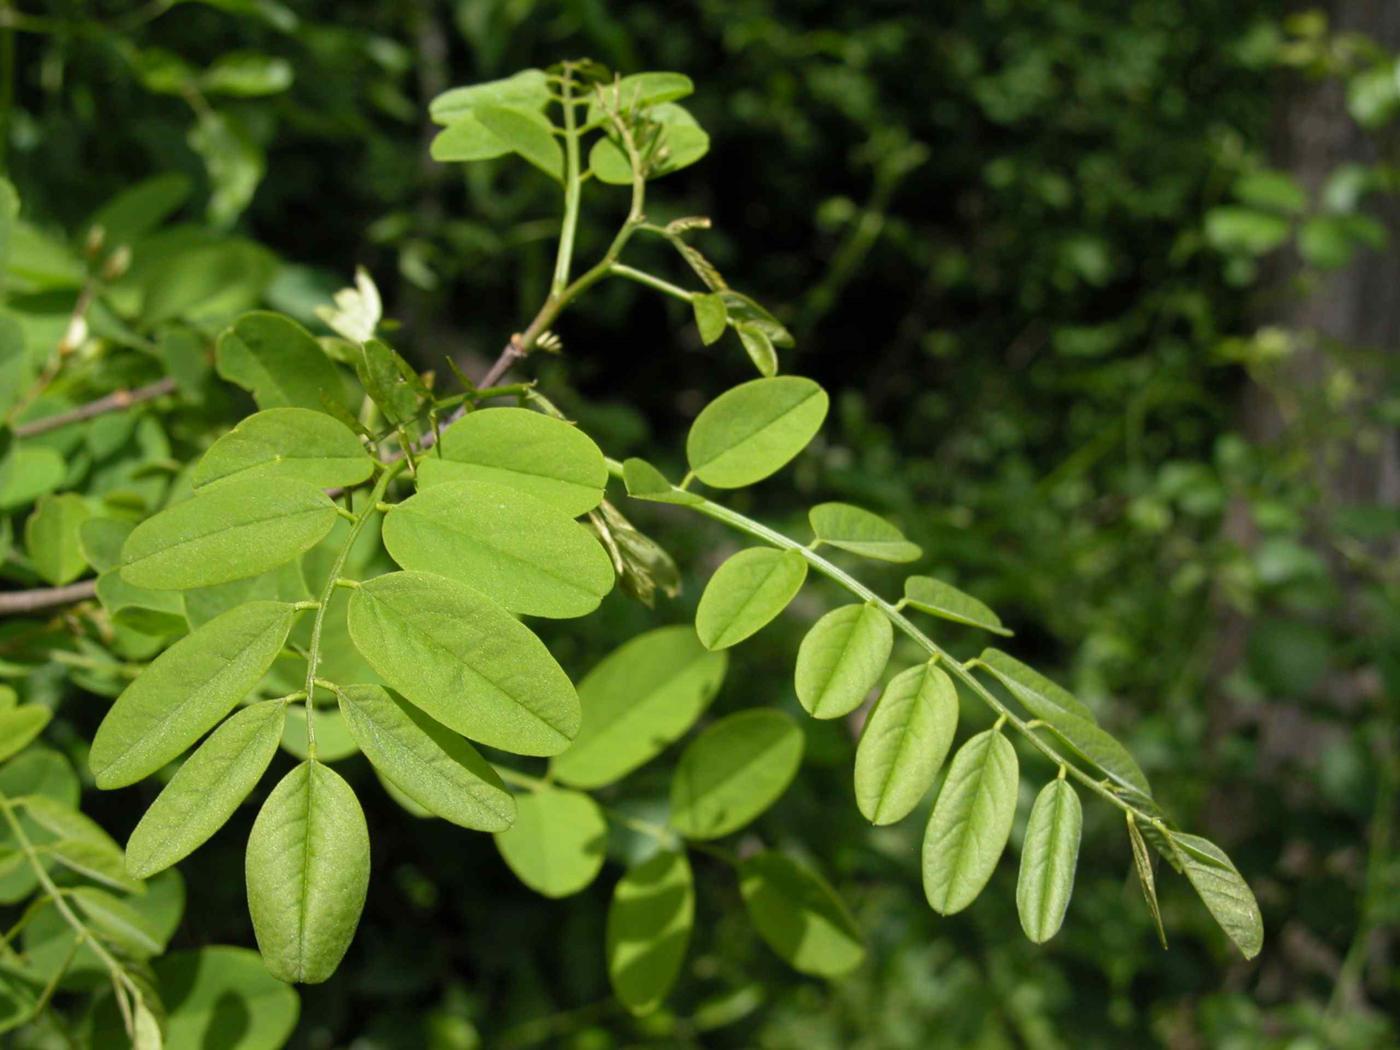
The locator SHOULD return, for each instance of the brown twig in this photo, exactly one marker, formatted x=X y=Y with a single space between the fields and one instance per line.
x=17 y=603
x=113 y=402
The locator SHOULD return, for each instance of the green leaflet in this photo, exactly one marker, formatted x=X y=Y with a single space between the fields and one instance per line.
x=433 y=766
x=464 y=661
x=240 y=528
x=1025 y=682
x=279 y=362
x=679 y=136
x=512 y=547
x=747 y=592
x=528 y=88
x=970 y=822
x=27 y=473
x=307 y=870
x=466 y=139
x=639 y=91
x=78 y=843
x=1069 y=719
x=51 y=536
x=711 y=317
x=904 y=742
x=159 y=613
x=528 y=451
x=841 y=659
x=101 y=541
x=636 y=702
x=119 y=922
x=187 y=689
x=557 y=842
x=1142 y=862
x=1048 y=858
x=944 y=600
x=206 y=789
x=19 y=726
x=759 y=348
x=733 y=771
x=860 y=532
x=649 y=924
x=140 y=209
x=294 y=443
x=753 y=430
x=800 y=916
x=1223 y=890
x=644 y=481
x=525 y=131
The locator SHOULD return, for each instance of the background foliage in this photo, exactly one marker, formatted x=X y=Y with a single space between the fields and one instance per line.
x=1047 y=256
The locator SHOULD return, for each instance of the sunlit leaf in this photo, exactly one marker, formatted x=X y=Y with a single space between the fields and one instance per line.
x=644 y=481
x=860 y=532
x=307 y=872
x=557 y=842
x=904 y=742
x=19 y=726
x=746 y=593
x=527 y=132
x=841 y=660
x=800 y=916
x=1222 y=888
x=710 y=316
x=1049 y=855
x=51 y=536
x=753 y=430
x=947 y=602
x=649 y=925
x=970 y=823
x=279 y=362
x=292 y=443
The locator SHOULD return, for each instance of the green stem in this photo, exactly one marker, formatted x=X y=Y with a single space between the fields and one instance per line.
x=651 y=281
x=738 y=521
x=573 y=190
x=313 y=657
x=121 y=982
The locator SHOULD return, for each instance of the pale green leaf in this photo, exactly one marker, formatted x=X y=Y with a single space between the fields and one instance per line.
x=733 y=771
x=20 y=726
x=753 y=430
x=1223 y=889
x=527 y=132
x=644 y=481
x=206 y=789
x=970 y=823
x=649 y=926
x=433 y=766
x=746 y=593
x=904 y=742
x=157 y=613
x=279 y=362
x=800 y=916
x=515 y=549
x=287 y=443
x=51 y=537
x=528 y=88
x=29 y=472
x=841 y=659
x=307 y=872
x=1142 y=862
x=186 y=690
x=536 y=454
x=117 y=921
x=947 y=602
x=556 y=844
x=1026 y=683
x=638 y=91
x=711 y=317
x=637 y=701
x=78 y=843
x=465 y=140
x=680 y=142
x=240 y=528
x=465 y=662
x=101 y=541
x=860 y=532
x=1049 y=855
x=759 y=348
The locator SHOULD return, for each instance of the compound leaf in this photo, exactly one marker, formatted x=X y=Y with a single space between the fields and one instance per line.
x=800 y=916
x=1049 y=855
x=292 y=443
x=636 y=702
x=187 y=689
x=240 y=528
x=904 y=742
x=970 y=822
x=746 y=593
x=649 y=925
x=464 y=661
x=206 y=789
x=557 y=842
x=433 y=766
x=307 y=870
x=753 y=430
x=514 y=548
x=841 y=659
x=733 y=771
